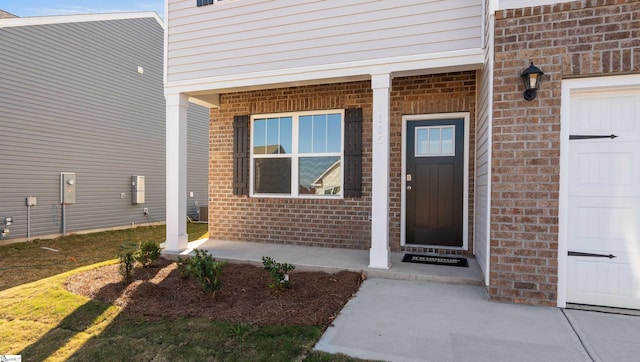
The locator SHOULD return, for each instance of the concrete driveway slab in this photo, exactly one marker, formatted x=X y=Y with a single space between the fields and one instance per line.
x=606 y=336
x=398 y=320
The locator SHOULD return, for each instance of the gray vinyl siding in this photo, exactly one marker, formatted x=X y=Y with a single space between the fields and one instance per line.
x=239 y=37
x=72 y=100
x=197 y=158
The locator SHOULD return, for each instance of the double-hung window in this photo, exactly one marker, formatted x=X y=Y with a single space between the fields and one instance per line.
x=297 y=154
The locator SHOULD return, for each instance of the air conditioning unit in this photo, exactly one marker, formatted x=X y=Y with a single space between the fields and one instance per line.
x=203 y=214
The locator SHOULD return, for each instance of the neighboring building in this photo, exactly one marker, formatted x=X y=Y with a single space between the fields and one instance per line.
x=6 y=15
x=83 y=94
x=419 y=105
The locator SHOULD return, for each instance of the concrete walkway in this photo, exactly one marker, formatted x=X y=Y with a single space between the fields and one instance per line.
x=396 y=320
x=417 y=312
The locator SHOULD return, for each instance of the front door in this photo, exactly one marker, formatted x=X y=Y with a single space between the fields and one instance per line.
x=434 y=182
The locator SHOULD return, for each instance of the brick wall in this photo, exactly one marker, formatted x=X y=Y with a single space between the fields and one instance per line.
x=438 y=93
x=333 y=223
x=568 y=40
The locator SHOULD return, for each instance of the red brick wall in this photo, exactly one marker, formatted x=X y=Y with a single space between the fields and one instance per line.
x=575 y=39
x=453 y=92
x=333 y=223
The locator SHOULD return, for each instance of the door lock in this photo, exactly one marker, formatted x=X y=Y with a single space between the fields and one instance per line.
x=409 y=187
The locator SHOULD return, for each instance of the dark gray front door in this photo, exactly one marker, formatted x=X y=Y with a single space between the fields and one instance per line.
x=434 y=181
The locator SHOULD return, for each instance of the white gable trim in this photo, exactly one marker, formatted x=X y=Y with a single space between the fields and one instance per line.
x=64 y=19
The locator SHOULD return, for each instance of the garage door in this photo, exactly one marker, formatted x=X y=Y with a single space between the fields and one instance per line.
x=603 y=240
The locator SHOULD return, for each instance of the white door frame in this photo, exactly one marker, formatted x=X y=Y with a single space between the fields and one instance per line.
x=403 y=182
x=568 y=87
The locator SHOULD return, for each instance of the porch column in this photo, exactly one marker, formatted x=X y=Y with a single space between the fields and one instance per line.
x=176 y=159
x=379 y=256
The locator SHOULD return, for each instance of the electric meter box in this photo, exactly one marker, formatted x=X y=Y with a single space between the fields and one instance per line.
x=67 y=188
x=137 y=189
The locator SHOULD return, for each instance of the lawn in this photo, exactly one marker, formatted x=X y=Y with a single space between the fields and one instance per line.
x=30 y=261
x=40 y=320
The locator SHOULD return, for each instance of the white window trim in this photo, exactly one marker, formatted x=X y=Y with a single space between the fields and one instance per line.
x=403 y=190
x=295 y=155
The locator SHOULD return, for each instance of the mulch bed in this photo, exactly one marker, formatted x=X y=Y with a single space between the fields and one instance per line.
x=315 y=298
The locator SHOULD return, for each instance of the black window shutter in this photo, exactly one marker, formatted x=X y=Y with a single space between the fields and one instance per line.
x=353 y=152
x=241 y=155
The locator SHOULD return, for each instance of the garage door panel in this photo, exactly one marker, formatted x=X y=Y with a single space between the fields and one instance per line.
x=604 y=283
x=606 y=114
x=605 y=170
x=604 y=199
x=600 y=224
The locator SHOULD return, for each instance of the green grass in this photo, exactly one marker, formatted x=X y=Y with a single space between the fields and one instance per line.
x=42 y=321
x=27 y=262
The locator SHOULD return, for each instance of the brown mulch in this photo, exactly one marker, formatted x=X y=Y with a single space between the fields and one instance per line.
x=315 y=298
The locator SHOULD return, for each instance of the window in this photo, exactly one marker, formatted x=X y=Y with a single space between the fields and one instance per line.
x=435 y=141
x=207 y=2
x=297 y=154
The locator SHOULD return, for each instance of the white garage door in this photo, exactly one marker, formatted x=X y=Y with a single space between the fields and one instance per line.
x=603 y=242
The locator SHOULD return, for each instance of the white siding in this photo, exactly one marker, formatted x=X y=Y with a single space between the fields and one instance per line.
x=482 y=203
x=245 y=36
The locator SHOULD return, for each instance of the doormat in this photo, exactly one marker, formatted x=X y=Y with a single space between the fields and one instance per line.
x=435 y=259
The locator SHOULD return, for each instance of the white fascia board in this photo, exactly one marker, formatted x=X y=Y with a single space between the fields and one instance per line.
x=446 y=61
x=517 y=4
x=493 y=6
x=63 y=19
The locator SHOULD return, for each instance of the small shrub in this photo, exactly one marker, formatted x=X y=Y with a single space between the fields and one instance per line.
x=278 y=272
x=127 y=262
x=237 y=330
x=204 y=268
x=147 y=253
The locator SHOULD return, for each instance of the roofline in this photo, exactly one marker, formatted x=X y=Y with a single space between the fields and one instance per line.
x=62 y=19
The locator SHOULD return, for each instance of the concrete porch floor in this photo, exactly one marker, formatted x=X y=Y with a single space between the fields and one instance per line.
x=334 y=259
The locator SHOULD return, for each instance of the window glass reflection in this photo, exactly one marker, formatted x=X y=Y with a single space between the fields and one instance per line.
x=319 y=175
x=272 y=136
x=434 y=141
x=447 y=140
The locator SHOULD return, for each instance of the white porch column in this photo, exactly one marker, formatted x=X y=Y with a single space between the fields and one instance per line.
x=379 y=254
x=176 y=153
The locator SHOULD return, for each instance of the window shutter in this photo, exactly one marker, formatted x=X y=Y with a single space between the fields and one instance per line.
x=353 y=152
x=241 y=155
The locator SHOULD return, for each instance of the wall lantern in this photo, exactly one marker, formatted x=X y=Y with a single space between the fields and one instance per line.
x=531 y=77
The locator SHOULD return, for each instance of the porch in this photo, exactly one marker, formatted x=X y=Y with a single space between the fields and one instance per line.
x=334 y=259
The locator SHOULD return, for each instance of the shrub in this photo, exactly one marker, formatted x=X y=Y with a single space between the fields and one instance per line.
x=147 y=253
x=204 y=268
x=278 y=272
x=127 y=262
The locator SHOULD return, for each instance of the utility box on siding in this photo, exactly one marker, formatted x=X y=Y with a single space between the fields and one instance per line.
x=137 y=189
x=67 y=188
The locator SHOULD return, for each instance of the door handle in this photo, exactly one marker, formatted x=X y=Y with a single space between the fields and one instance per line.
x=409 y=187
x=591 y=255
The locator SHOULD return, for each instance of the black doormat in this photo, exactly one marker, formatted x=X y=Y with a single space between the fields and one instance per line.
x=435 y=259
